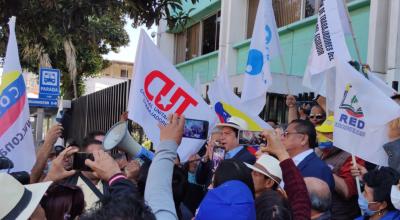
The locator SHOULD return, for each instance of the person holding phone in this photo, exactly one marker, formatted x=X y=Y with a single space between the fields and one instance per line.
x=230 y=140
x=92 y=186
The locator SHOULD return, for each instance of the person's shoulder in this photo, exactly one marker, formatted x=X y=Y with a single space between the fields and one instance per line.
x=245 y=155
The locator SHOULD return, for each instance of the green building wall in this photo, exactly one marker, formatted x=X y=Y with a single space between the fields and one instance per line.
x=295 y=41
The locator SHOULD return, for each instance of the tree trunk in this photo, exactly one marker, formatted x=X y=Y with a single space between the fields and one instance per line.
x=70 y=56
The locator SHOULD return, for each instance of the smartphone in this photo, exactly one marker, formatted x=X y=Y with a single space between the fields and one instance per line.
x=79 y=161
x=252 y=138
x=218 y=156
x=197 y=129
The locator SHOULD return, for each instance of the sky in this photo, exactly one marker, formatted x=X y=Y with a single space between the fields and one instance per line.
x=128 y=53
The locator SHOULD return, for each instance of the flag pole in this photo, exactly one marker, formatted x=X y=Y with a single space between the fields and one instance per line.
x=353 y=158
x=353 y=35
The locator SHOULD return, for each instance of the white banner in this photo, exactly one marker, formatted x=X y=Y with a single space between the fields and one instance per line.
x=362 y=112
x=158 y=89
x=16 y=139
x=263 y=47
x=379 y=83
x=329 y=39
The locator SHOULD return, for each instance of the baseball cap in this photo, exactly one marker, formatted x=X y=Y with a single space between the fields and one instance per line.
x=327 y=126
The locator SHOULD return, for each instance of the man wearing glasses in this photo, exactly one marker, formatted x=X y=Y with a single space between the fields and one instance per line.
x=317 y=114
x=299 y=139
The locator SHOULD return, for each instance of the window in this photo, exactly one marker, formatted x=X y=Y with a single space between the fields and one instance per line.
x=311 y=7
x=199 y=39
x=124 y=73
x=251 y=16
x=286 y=11
x=192 y=41
x=211 y=27
x=180 y=50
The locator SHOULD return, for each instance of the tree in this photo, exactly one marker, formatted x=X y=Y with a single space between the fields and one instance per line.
x=72 y=35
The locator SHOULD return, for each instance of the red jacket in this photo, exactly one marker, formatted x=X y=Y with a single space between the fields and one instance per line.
x=296 y=190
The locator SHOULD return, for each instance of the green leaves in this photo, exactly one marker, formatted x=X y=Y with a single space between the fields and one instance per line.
x=94 y=27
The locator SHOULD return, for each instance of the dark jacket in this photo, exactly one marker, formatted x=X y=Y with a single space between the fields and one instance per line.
x=122 y=187
x=296 y=190
x=313 y=166
x=245 y=156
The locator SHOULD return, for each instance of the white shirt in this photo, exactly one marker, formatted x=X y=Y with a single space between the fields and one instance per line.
x=300 y=157
x=90 y=197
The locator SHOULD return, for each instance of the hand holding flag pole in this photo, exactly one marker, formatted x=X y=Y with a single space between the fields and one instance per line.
x=353 y=158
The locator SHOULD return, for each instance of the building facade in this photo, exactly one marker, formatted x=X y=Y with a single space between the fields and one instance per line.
x=117 y=72
x=219 y=32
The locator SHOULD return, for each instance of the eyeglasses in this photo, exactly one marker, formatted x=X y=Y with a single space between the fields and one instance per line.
x=287 y=133
x=317 y=116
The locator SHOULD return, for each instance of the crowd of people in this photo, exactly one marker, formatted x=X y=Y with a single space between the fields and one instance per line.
x=297 y=173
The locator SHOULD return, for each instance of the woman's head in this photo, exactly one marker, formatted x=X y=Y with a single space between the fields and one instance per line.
x=378 y=184
x=271 y=205
x=233 y=170
x=63 y=201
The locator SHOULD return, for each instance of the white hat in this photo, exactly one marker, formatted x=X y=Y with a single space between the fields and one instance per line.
x=234 y=122
x=269 y=166
x=18 y=201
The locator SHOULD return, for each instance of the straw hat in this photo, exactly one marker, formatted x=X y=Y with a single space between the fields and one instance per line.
x=18 y=201
x=269 y=166
x=234 y=122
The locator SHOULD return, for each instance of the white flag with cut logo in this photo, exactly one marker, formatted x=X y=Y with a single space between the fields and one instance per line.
x=329 y=39
x=16 y=139
x=226 y=104
x=263 y=47
x=360 y=118
x=158 y=89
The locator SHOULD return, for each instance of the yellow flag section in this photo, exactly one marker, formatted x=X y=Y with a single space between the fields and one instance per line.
x=225 y=111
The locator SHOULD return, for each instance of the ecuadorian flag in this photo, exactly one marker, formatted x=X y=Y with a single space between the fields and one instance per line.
x=16 y=139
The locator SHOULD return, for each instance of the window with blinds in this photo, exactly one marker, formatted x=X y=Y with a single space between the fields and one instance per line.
x=180 y=49
x=199 y=39
x=286 y=11
x=192 y=41
x=251 y=16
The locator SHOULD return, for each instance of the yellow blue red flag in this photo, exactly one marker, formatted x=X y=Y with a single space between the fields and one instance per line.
x=16 y=139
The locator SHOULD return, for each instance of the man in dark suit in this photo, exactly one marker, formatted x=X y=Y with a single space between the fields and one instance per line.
x=230 y=141
x=300 y=140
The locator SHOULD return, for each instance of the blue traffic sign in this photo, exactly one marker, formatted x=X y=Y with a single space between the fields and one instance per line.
x=43 y=103
x=49 y=83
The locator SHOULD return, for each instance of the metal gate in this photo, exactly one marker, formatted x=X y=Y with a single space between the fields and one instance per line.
x=98 y=111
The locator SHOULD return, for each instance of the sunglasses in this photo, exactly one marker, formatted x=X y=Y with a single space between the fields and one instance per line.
x=317 y=116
